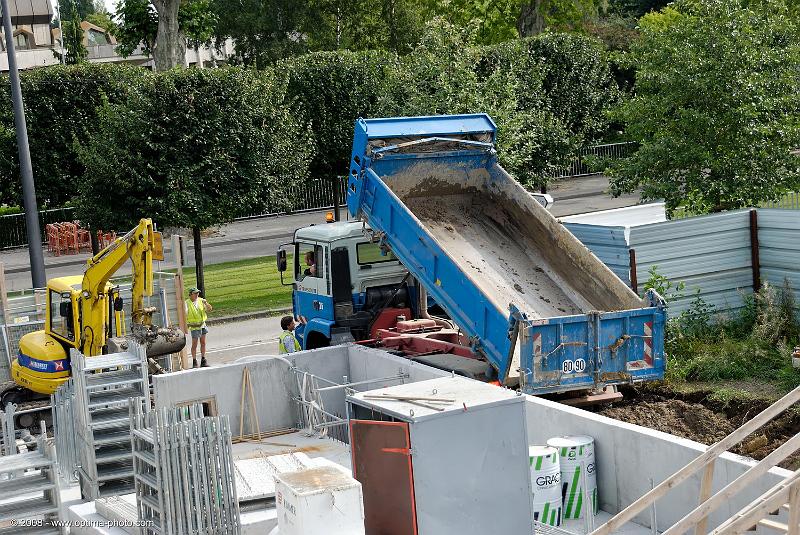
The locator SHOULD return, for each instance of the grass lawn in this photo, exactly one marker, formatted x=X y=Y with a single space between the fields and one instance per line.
x=243 y=286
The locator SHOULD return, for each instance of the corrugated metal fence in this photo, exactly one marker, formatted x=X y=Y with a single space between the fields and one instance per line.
x=712 y=255
x=609 y=244
x=779 y=247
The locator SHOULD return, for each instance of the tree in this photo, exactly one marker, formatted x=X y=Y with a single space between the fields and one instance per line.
x=139 y=23
x=192 y=148
x=331 y=90
x=263 y=30
x=169 y=47
x=715 y=106
x=72 y=33
x=444 y=75
x=61 y=108
x=269 y=30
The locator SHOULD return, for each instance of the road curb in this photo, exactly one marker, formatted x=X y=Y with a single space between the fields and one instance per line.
x=249 y=316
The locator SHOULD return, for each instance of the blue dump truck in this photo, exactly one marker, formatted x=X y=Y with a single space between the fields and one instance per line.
x=450 y=261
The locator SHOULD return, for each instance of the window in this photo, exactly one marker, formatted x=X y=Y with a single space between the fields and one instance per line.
x=370 y=253
x=61 y=320
x=95 y=38
x=22 y=41
x=308 y=262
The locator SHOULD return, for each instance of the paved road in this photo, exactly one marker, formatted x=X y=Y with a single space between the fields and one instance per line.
x=261 y=237
x=228 y=342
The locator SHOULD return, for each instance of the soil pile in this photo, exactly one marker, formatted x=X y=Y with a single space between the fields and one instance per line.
x=706 y=421
x=687 y=420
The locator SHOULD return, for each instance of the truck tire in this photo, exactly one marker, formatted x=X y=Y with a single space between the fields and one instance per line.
x=317 y=340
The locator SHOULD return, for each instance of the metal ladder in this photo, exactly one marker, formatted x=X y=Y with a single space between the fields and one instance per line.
x=184 y=473
x=102 y=387
x=29 y=489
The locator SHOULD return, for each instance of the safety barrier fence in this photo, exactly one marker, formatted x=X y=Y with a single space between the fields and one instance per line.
x=720 y=258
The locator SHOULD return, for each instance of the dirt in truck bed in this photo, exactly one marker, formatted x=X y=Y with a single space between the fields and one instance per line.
x=697 y=417
x=507 y=269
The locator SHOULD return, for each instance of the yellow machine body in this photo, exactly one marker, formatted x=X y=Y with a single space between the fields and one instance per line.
x=81 y=312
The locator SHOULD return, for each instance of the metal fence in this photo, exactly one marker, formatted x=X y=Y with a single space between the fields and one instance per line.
x=609 y=151
x=13 y=229
x=719 y=257
x=313 y=195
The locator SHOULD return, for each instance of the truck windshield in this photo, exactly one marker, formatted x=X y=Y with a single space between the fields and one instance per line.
x=307 y=261
x=370 y=253
x=61 y=316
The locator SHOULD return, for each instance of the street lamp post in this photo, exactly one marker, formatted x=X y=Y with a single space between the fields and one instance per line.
x=28 y=189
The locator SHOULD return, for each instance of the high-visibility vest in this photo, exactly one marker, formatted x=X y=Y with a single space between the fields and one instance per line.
x=282 y=346
x=196 y=313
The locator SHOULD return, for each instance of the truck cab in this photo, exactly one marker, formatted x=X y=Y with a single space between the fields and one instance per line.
x=342 y=281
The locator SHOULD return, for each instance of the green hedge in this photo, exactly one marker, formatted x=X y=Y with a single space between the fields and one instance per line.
x=124 y=142
x=61 y=109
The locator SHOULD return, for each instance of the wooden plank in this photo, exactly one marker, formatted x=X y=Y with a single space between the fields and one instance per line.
x=705 y=494
x=758 y=508
x=627 y=514
x=741 y=482
x=771 y=524
x=794 y=510
x=179 y=299
x=3 y=295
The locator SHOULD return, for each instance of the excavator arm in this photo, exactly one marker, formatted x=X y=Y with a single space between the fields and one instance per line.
x=138 y=245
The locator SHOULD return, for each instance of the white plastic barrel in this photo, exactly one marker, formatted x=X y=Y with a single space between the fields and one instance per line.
x=576 y=452
x=546 y=484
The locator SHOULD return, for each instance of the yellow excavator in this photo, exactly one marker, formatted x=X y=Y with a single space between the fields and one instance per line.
x=86 y=313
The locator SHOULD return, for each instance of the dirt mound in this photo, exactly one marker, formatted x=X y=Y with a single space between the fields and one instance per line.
x=699 y=418
x=688 y=420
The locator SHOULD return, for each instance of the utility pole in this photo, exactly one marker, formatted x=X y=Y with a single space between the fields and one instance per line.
x=28 y=188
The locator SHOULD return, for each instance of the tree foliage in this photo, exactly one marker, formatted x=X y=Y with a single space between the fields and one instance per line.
x=330 y=90
x=137 y=24
x=535 y=89
x=192 y=148
x=72 y=33
x=61 y=110
x=716 y=105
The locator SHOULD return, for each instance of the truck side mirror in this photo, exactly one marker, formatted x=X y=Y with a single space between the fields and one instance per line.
x=118 y=304
x=281 y=259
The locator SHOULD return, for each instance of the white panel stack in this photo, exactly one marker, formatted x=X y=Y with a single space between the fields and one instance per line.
x=29 y=491
x=319 y=501
x=102 y=387
x=184 y=472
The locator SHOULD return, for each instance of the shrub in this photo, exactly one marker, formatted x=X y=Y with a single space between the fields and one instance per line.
x=60 y=109
x=192 y=147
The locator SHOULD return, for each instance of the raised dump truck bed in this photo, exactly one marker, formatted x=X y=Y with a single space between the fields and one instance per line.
x=529 y=295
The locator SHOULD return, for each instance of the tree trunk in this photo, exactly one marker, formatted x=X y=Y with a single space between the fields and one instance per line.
x=530 y=21
x=198 y=261
x=169 y=49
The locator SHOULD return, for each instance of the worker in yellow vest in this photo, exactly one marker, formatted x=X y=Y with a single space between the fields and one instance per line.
x=287 y=343
x=197 y=310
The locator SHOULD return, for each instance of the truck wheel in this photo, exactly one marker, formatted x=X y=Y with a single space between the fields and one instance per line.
x=317 y=340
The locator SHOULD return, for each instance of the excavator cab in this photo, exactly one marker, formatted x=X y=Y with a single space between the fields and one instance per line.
x=43 y=360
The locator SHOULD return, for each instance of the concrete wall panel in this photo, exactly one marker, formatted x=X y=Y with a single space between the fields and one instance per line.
x=628 y=456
